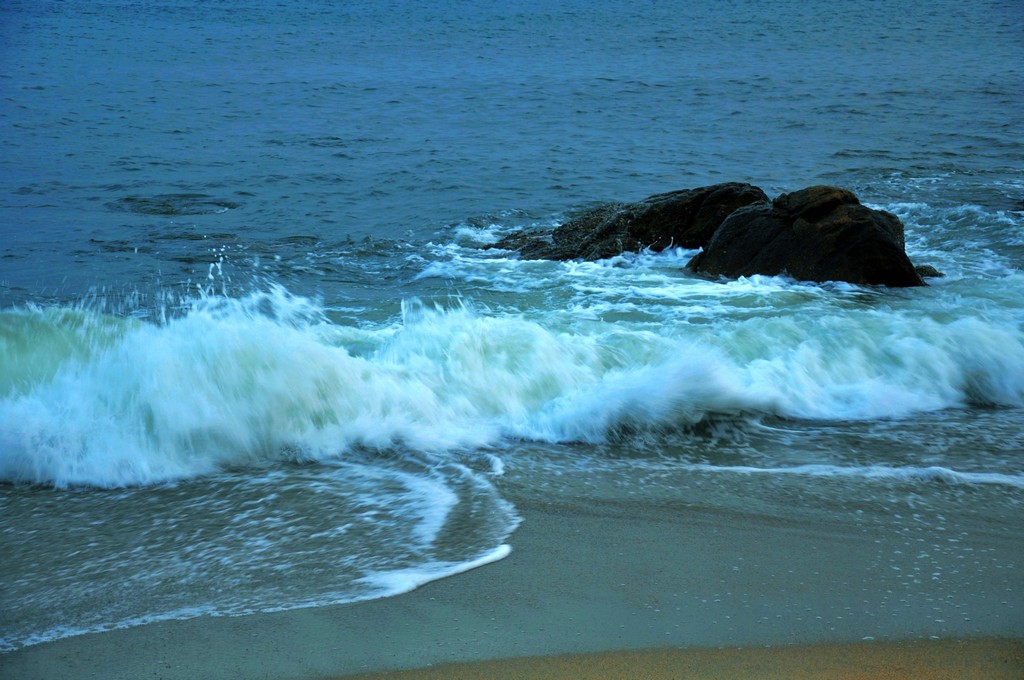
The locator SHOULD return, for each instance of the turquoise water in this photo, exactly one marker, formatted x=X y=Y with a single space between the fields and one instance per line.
x=253 y=355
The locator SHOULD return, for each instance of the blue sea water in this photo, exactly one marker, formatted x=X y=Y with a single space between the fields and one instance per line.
x=251 y=344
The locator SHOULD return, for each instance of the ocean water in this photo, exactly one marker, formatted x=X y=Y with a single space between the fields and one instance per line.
x=254 y=354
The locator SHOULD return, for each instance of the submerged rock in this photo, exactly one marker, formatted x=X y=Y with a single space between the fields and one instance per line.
x=926 y=271
x=685 y=218
x=820 y=233
x=173 y=204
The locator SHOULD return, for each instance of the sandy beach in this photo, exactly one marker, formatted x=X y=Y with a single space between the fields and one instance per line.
x=932 y=660
x=613 y=577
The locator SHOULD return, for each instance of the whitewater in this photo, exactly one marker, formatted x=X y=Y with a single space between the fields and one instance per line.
x=107 y=401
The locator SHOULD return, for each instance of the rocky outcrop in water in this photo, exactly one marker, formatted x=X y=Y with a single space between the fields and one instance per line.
x=820 y=233
x=685 y=218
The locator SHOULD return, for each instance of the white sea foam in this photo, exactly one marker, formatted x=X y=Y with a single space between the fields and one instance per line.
x=398 y=581
x=112 y=402
x=435 y=501
x=932 y=473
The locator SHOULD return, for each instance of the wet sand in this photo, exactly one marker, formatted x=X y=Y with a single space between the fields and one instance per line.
x=612 y=576
x=931 y=660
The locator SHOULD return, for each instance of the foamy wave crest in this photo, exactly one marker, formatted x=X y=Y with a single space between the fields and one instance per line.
x=681 y=391
x=93 y=399
x=882 y=366
x=231 y=382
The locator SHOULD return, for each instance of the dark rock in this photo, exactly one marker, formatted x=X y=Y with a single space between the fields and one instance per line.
x=689 y=217
x=820 y=233
x=597 y=234
x=685 y=218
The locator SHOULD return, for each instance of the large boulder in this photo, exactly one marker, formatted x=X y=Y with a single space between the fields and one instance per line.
x=685 y=218
x=820 y=233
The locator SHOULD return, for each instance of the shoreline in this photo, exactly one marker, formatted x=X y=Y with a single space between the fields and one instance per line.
x=585 y=579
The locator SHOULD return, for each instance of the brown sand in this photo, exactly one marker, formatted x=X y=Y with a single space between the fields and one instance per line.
x=932 y=660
